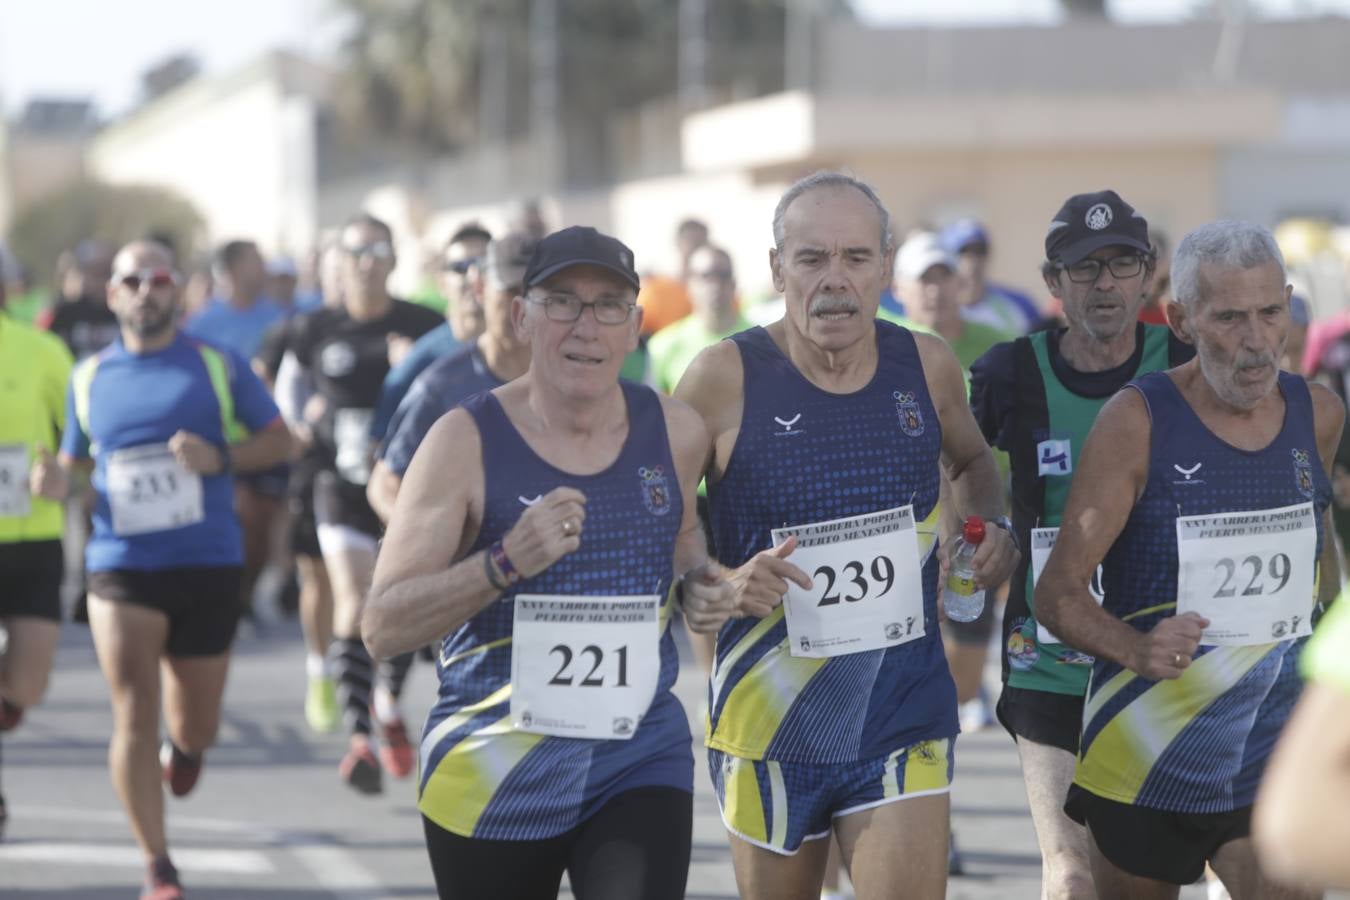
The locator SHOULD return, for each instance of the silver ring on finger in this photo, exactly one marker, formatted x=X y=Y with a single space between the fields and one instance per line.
x=569 y=528
x=1176 y=659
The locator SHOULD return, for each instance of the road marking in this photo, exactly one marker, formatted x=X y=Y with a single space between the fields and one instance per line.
x=329 y=862
x=235 y=862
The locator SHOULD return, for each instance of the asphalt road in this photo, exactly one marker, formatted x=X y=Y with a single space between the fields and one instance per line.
x=270 y=819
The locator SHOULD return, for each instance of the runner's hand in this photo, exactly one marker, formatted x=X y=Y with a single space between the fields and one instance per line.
x=196 y=454
x=762 y=581
x=546 y=532
x=1166 y=651
x=398 y=346
x=996 y=557
x=709 y=599
x=314 y=409
x=46 y=478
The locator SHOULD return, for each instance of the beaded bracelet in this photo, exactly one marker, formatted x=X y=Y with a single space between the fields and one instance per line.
x=504 y=563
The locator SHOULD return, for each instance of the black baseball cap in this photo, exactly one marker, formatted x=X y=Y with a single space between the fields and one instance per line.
x=1088 y=222
x=580 y=245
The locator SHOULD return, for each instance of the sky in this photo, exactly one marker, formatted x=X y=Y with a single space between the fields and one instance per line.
x=97 y=49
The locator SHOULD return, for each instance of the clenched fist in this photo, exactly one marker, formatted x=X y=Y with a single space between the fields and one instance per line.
x=196 y=454
x=547 y=531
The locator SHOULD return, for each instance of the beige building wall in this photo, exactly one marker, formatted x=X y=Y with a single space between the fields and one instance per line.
x=241 y=148
x=42 y=164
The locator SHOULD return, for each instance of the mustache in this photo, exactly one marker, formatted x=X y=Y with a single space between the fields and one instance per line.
x=833 y=304
x=1246 y=360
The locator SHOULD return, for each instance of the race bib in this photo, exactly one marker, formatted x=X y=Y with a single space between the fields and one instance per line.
x=351 y=435
x=1252 y=574
x=1042 y=542
x=14 y=500
x=867 y=587
x=584 y=667
x=148 y=490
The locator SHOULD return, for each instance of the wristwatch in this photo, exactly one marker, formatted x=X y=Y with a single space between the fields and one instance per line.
x=1006 y=524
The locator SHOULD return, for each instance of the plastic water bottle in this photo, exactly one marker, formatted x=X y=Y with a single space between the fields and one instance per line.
x=962 y=599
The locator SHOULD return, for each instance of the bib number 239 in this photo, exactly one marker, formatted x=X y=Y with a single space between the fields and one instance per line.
x=866 y=591
x=584 y=667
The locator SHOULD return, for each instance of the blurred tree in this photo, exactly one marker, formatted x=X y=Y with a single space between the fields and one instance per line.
x=413 y=69
x=112 y=213
x=1084 y=9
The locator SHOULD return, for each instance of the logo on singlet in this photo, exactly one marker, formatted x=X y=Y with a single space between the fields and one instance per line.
x=1022 y=649
x=907 y=407
x=1187 y=474
x=337 y=359
x=788 y=424
x=1303 y=476
x=1053 y=457
x=655 y=490
x=1098 y=217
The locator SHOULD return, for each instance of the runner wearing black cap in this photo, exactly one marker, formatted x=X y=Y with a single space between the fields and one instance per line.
x=543 y=565
x=1036 y=397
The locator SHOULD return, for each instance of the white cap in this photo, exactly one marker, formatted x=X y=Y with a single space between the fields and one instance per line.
x=282 y=266
x=919 y=253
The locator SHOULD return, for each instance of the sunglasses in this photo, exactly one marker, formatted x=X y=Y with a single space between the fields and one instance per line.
x=378 y=250
x=155 y=279
x=461 y=266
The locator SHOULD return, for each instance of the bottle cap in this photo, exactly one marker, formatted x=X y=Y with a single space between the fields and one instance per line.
x=973 y=533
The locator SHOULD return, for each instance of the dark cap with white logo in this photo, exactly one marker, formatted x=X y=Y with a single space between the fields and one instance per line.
x=1088 y=222
x=580 y=245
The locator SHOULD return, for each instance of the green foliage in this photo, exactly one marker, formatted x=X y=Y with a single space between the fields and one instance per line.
x=112 y=213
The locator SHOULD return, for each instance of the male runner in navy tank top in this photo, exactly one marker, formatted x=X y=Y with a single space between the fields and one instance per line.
x=1203 y=493
x=543 y=564
x=831 y=434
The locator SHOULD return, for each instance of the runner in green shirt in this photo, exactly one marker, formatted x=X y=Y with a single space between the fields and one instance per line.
x=712 y=289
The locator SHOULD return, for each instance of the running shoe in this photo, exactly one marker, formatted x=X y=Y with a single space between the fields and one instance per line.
x=161 y=881
x=359 y=767
x=396 y=753
x=955 y=865
x=180 y=770
x=321 y=706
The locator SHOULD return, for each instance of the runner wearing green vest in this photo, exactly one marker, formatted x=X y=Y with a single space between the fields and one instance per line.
x=1037 y=397
x=34 y=369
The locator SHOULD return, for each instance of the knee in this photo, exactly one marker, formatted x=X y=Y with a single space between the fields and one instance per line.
x=195 y=737
x=25 y=689
x=1068 y=876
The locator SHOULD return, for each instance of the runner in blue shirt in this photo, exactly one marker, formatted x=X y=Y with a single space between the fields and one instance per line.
x=162 y=419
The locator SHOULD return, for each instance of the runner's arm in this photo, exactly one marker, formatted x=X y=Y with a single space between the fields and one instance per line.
x=1328 y=422
x=704 y=590
x=382 y=490
x=714 y=385
x=269 y=446
x=1299 y=824
x=967 y=462
x=1110 y=477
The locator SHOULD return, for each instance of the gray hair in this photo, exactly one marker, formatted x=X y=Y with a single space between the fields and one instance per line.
x=1229 y=242
x=828 y=179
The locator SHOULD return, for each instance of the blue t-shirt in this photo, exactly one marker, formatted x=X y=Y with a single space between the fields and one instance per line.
x=241 y=330
x=443 y=386
x=135 y=400
x=437 y=343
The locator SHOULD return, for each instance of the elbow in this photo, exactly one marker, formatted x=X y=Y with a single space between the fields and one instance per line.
x=375 y=630
x=1046 y=604
x=283 y=447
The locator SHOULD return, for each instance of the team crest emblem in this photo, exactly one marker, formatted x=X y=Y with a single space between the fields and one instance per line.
x=623 y=725
x=1279 y=629
x=1098 y=217
x=893 y=631
x=806 y=644
x=1303 y=476
x=655 y=490
x=907 y=407
x=526 y=720
x=1022 y=649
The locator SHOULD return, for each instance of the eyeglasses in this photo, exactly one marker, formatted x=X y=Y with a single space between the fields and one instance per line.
x=461 y=266
x=1089 y=270
x=564 y=308
x=155 y=279
x=377 y=250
